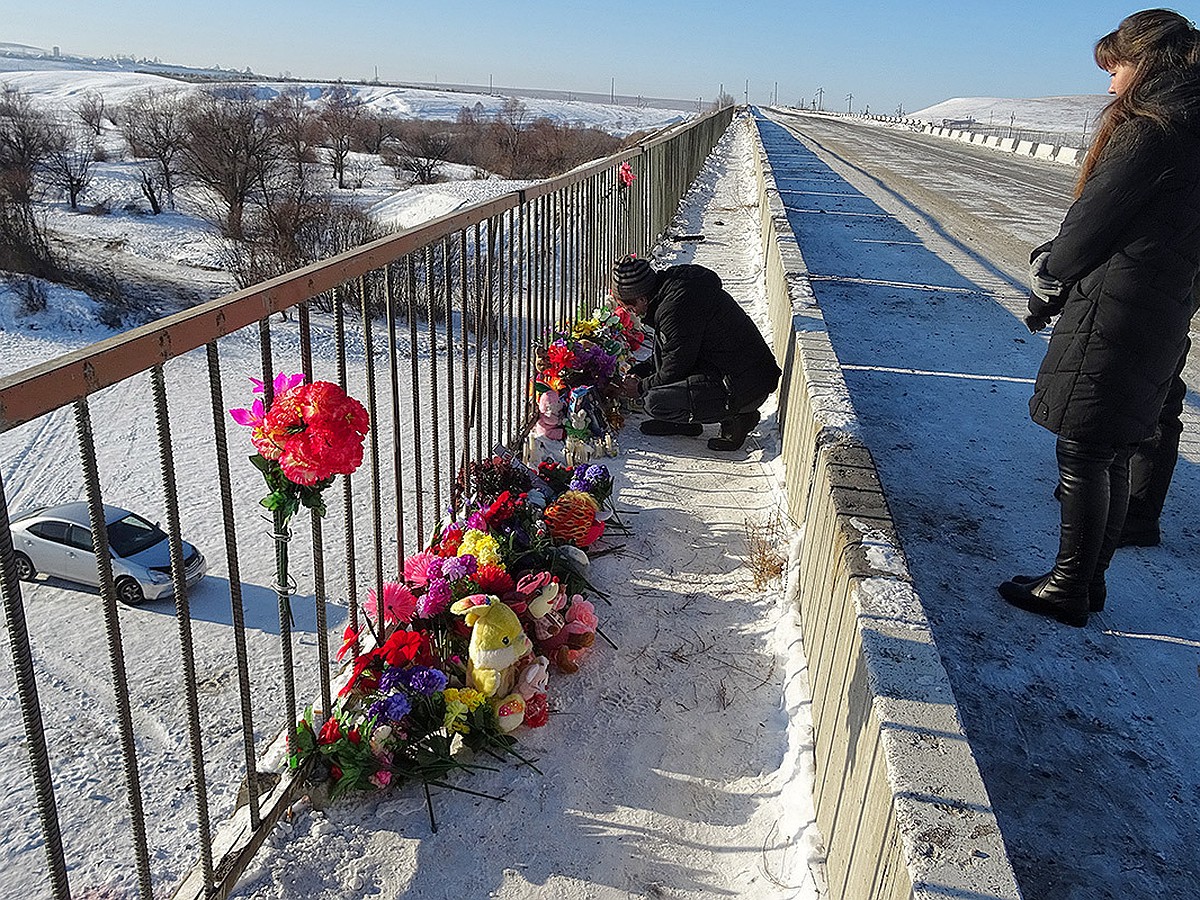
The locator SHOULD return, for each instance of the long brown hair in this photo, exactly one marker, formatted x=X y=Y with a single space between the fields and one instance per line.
x=1152 y=41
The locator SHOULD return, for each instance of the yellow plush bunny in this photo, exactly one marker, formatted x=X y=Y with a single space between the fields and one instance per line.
x=498 y=643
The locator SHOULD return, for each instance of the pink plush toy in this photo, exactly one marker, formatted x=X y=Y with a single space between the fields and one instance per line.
x=549 y=424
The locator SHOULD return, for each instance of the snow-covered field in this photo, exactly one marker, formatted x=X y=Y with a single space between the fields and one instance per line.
x=61 y=89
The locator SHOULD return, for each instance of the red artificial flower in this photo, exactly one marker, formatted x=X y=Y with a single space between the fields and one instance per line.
x=501 y=509
x=335 y=772
x=315 y=431
x=354 y=737
x=401 y=648
x=560 y=356
x=331 y=731
x=349 y=639
x=537 y=711
x=492 y=579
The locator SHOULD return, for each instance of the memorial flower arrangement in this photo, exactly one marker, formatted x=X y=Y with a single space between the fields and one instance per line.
x=577 y=385
x=311 y=433
x=463 y=643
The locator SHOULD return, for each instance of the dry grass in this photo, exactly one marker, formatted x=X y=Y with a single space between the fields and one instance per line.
x=762 y=549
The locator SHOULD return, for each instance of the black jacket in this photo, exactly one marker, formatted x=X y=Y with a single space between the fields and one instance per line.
x=1129 y=252
x=700 y=329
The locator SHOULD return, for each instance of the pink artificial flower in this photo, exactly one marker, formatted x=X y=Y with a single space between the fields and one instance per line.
x=315 y=431
x=381 y=779
x=398 y=603
x=253 y=416
x=625 y=173
x=416 y=568
x=280 y=384
x=581 y=617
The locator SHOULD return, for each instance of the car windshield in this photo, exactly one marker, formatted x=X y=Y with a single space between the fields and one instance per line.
x=133 y=534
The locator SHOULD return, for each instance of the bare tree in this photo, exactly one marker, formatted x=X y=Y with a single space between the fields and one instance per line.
x=91 y=111
x=154 y=126
x=26 y=141
x=421 y=150
x=229 y=149
x=509 y=122
x=69 y=165
x=341 y=116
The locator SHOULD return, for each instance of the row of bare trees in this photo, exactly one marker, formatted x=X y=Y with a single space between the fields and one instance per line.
x=263 y=171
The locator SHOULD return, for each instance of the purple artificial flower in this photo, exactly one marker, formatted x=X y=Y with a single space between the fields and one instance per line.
x=477 y=521
x=397 y=706
x=435 y=599
x=457 y=567
x=434 y=570
x=426 y=681
x=391 y=679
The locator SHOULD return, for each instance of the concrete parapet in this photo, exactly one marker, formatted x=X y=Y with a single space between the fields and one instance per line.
x=1007 y=144
x=978 y=138
x=1024 y=148
x=899 y=799
x=1068 y=156
x=993 y=140
x=1044 y=151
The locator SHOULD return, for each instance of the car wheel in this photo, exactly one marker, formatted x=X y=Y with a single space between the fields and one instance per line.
x=129 y=591
x=25 y=569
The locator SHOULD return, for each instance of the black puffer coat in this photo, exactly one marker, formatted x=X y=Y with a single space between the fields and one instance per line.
x=1129 y=251
x=700 y=329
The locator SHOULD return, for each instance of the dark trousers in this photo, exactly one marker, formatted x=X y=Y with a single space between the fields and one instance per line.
x=1153 y=462
x=698 y=398
x=1093 y=491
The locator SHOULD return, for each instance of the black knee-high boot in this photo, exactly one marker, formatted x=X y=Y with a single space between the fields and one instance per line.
x=1084 y=496
x=1118 y=503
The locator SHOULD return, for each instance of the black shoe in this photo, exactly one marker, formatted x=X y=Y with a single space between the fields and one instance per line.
x=1097 y=590
x=1138 y=535
x=734 y=432
x=660 y=428
x=1046 y=598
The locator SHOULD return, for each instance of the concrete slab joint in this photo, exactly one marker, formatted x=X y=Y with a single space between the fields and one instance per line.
x=900 y=801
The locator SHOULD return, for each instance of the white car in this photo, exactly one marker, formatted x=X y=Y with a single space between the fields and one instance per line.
x=58 y=541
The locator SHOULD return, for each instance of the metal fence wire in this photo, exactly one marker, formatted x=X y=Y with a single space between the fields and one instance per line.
x=444 y=319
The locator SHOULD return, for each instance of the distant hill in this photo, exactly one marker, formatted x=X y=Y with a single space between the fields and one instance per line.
x=1061 y=114
x=54 y=80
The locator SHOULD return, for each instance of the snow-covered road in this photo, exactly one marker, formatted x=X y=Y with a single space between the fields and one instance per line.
x=1087 y=739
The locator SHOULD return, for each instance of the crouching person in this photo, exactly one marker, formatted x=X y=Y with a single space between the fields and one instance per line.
x=710 y=364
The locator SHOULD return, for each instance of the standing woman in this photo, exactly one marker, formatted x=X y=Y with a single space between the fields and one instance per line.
x=1120 y=272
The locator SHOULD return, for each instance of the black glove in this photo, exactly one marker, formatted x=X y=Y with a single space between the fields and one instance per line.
x=1036 y=323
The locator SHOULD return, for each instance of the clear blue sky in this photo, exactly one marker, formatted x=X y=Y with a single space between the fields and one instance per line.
x=886 y=54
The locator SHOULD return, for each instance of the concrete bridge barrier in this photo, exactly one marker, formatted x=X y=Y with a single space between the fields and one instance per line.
x=899 y=798
x=1044 y=151
x=1024 y=148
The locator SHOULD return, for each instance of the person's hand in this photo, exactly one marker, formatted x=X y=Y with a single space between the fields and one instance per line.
x=1045 y=286
x=631 y=386
x=1036 y=323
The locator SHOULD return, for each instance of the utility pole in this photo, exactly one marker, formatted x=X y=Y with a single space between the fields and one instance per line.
x=850 y=102
x=775 y=100
x=489 y=83
x=820 y=94
x=900 y=110
x=612 y=90
x=746 y=93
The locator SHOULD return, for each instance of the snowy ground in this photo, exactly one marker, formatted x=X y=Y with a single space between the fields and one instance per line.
x=678 y=765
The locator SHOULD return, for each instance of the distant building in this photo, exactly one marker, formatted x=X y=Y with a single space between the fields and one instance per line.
x=958 y=123
x=54 y=52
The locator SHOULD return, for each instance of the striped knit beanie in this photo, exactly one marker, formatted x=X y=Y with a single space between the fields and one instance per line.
x=633 y=278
